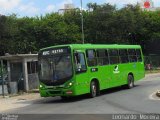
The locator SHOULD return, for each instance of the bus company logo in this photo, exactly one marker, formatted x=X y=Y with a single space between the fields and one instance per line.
x=116 y=69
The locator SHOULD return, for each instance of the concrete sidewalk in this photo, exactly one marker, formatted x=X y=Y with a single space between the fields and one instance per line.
x=13 y=102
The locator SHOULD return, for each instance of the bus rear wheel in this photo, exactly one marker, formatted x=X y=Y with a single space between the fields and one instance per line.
x=130 y=82
x=93 y=89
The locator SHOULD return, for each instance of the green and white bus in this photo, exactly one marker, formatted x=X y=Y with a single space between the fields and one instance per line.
x=76 y=69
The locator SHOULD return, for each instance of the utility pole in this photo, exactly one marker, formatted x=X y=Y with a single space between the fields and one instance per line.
x=82 y=23
x=2 y=78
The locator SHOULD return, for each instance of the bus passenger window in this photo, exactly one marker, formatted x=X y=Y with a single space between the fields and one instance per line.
x=123 y=55
x=139 y=57
x=91 y=58
x=132 y=55
x=102 y=56
x=80 y=62
x=113 y=55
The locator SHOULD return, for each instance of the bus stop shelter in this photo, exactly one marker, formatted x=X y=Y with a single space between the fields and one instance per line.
x=22 y=70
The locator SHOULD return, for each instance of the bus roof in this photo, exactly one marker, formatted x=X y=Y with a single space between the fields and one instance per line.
x=96 y=46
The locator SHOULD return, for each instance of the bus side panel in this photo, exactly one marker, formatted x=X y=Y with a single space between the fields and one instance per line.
x=103 y=76
x=115 y=76
x=140 y=71
x=132 y=69
x=119 y=76
x=124 y=69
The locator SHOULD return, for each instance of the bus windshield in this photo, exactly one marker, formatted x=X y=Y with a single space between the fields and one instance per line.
x=55 y=68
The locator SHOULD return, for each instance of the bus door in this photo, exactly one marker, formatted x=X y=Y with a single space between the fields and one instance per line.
x=82 y=85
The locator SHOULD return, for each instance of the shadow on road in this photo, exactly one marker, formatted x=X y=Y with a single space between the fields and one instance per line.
x=57 y=100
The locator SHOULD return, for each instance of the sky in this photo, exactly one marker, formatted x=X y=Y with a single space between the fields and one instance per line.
x=41 y=7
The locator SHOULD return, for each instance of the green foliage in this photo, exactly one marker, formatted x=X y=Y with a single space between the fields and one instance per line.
x=103 y=24
x=2 y=69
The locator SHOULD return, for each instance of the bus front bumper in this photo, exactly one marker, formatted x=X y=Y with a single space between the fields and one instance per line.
x=56 y=92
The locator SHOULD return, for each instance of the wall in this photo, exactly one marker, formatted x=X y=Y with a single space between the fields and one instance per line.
x=33 y=81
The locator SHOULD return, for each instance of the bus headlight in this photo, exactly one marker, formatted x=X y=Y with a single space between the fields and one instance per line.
x=70 y=84
x=40 y=86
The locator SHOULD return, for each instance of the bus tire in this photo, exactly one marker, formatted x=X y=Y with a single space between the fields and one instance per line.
x=93 y=89
x=130 y=81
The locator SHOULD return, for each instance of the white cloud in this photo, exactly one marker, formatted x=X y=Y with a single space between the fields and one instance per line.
x=50 y=8
x=18 y=7
x=9 y=4
x=122 y=2
x=29 y=8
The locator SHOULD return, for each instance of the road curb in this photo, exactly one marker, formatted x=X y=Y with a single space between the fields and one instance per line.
x=34 y=91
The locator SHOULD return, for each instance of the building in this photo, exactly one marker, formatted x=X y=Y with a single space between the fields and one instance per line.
x=67 y=7
x=22 y=70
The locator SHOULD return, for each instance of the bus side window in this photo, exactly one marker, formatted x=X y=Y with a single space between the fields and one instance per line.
x=123 y=55
x=91 y=58
x=139 y=56
x=132 y=55
x=102 y=56
x=113 y=55
x=80 y=62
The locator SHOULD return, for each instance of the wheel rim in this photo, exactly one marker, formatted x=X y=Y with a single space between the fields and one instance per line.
x=130 y=81
x=94 y=90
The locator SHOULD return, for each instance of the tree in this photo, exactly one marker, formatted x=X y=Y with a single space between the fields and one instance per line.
x=103 y=24
x=2 y=33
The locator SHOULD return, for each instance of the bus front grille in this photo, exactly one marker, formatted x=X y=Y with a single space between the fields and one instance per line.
x=55 y=92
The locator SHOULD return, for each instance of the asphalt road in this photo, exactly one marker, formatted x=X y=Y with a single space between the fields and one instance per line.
x=138 y=100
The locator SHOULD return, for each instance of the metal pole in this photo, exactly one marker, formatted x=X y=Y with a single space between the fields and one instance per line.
x=82 y=24
x=2 y=78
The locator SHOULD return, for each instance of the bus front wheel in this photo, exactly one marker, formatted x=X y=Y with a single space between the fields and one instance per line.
x=93 y=89
x=130 y=81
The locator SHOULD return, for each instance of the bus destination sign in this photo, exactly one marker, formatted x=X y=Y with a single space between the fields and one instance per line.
x=55 y=51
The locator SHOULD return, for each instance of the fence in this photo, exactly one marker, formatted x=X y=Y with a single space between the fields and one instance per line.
x=152 y=62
